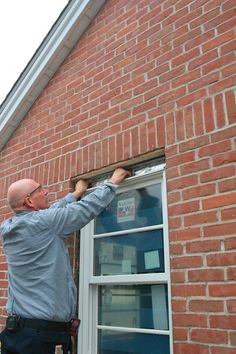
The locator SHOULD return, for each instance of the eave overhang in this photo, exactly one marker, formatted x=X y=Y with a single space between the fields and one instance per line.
x=56 y=46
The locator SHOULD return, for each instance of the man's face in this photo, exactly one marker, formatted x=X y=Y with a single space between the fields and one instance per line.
x=38 y=197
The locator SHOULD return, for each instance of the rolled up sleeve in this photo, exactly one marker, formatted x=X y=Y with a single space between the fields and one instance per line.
x=74 y=216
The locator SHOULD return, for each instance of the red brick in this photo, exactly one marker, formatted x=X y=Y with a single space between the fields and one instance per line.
x=177 y=277
x=191 y=39
x=204 y=18
x=186 y=262
x=133 y=121
x=228 y=22
x=126 y=144
x=231 y=306
x=198 y=119
x=233 y=338
x=201 y=218
x=209 y=115
x=223 y=229
x=144 y=141
x=160 y=126
x=228 y=5
x=227 y=322
x=217 y=64
x=185 y=290
x=213 y=149
x=175 y=223
x=206 y=275
x=222 y=85
x=209 y=336
x=195 y=166
x=184 y=208
x=204 y=81
x=173 y=197
x=188 y=122
x=203 y=246
x=190 y=320
x=217 y=173
x=203 y=59
x=231 y=106
x=230 y=243
x=228 y=47
x=152 y=136
x=219 y=111
x=205 y=305
x=211 y=5
x=224 y=134
x=180 y=183
x=187 y=348
x=228 y=70
x=180 y=334
x=199 y=191
x=134 y=142
x=157 y=71
x=181 y=159
x=186 y=234
x=219 y=200
x=139 y=108
x=170 y=129
x=179 y=125
x=222 y=259
x=144 y=87
x=185 y=57
x=214 y=43
x=188 y=99
x=231 y=273
x=119 y=151
x=173 y=18
x=224 y=158
x=171 y=95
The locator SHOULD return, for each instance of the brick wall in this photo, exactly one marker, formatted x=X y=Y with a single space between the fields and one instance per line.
x=146 y=76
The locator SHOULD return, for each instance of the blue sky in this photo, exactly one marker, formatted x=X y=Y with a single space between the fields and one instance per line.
x=23 y=26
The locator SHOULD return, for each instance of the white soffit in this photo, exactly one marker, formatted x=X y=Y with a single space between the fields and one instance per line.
x=56 y=46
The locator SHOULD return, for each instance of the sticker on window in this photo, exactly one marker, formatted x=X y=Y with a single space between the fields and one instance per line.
x=126 y=210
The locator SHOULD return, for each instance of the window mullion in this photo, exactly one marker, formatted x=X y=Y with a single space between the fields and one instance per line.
x=130 y=279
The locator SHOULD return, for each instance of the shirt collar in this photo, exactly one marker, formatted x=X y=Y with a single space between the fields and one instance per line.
x=22 y=212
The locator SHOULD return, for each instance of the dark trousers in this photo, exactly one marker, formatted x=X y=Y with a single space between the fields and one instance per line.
x=34 y=341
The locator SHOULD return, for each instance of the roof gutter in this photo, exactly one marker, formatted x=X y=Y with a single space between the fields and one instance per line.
x=56 y=46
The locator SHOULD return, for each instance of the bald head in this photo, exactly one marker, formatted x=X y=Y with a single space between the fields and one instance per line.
x=18 y=191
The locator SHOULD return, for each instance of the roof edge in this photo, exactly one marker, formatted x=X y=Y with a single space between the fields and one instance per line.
x=56 y=46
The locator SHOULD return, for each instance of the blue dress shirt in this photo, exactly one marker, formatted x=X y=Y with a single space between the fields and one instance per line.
x=40 y=280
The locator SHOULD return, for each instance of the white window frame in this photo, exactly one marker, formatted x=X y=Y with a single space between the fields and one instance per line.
x=88 y=283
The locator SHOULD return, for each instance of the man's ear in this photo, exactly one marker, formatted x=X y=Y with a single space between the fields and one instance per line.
x=27 y=203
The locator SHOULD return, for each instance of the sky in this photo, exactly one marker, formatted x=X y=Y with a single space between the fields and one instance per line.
x=23 y=26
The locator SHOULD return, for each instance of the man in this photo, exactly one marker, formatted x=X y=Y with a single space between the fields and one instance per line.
x=41 y=290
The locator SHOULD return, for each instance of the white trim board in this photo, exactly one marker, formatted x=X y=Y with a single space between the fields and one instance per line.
x=56 y=46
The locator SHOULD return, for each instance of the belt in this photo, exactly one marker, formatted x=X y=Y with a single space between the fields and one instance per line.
x=44 y=324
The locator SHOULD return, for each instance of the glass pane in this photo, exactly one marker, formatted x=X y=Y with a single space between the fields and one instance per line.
x=111 y=342
x=133 y=209
x=134 y=306
x=135 y=253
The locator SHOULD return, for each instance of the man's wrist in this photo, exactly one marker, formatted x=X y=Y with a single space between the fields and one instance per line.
x=111 y=185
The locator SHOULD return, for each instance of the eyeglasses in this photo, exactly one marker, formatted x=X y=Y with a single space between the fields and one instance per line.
x=40 y=188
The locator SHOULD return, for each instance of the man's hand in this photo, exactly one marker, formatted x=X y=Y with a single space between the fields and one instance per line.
x=80 y=187
x=119 y=175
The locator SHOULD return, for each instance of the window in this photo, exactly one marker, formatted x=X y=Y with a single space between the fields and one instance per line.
x=124 y=283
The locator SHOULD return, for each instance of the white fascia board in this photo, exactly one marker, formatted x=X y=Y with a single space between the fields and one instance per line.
x=61 y=39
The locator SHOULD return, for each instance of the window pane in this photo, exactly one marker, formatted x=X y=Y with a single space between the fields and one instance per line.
x=133 y=209
x=135 y=253
x=110 y=342
x=134 y=306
